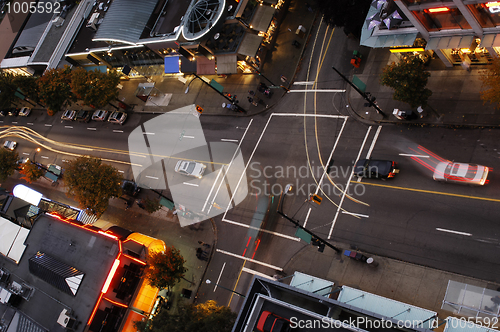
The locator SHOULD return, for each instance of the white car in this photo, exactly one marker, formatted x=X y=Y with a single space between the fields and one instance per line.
x=10 y=145
x=449 y=171
x=100 y=115
x=25 y=111
x=190 y=168
x=117 y=117
x=69 y=115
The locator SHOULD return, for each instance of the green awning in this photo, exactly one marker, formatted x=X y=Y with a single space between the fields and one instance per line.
x=167 y=203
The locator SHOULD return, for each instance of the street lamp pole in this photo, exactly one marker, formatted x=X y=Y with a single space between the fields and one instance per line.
x=235 y=292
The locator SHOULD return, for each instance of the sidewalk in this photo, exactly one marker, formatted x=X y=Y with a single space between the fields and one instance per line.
x=401 y=281
x=283 y=59
x=455 y=100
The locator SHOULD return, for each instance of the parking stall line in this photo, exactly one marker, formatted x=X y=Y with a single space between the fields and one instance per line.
x=69 y=127
x=44 y=157
x=91 y=128
x=151 y=177
x=48 y=125
x=118 y=131
x=30 y=123
x=190 y=184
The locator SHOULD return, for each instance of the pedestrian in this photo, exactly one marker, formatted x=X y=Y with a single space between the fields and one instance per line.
x=250 y=100
x=283 y=79
x=206 y=245
x=289 y=29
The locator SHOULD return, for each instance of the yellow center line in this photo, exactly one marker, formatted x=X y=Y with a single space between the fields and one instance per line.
x=430 y=192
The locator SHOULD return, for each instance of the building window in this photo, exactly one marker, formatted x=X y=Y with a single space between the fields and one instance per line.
x=487 y=14
x=442 y=18
x=419 y=2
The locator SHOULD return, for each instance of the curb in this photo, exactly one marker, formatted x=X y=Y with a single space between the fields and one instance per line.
x=212 y=252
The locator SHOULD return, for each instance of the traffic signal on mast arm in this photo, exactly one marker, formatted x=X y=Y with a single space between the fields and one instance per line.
x=199 y=109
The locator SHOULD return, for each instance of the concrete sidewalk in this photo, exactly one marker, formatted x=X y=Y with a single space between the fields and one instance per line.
x=455 y=100
x=409 y=283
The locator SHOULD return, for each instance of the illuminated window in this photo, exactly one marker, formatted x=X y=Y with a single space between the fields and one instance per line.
x=442 y=18
x=487 y=14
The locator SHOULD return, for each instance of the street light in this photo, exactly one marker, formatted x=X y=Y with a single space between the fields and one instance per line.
x=209 y=282
x=34 y=156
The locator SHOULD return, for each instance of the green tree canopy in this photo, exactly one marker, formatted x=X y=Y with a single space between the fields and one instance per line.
x=151 y=205
x=54 y=88
x=349 y=14
x=31 y=172
x=28 y=85
x=92 y=183
x=408 y=78
x=7 y=89
x=94 y=88
x=202 y=317
x=8 y=163
x=491 y=83
x=165 y=269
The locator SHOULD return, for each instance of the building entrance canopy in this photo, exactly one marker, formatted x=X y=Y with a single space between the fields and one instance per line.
x=262 y=18
x=471 y=301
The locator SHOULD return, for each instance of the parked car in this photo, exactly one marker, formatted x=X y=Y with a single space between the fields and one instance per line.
x=4 y=112
x=68 y=115
x=449 y=171
x=100 y=115
x=377 y=169
x=10 y=145
x=190 y=168
x=14 y=112
x=269 y=322
x=83 y=116
x=25 y=111
x=118 y=117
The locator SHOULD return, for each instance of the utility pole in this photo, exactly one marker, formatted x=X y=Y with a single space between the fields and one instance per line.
x=369 y=100
x=229 y=99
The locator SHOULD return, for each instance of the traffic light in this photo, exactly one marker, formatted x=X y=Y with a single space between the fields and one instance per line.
x=316 y=199
x=317 y=243
x=199 y=109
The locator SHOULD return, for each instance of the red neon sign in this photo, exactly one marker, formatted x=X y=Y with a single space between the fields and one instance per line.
x=110 y=276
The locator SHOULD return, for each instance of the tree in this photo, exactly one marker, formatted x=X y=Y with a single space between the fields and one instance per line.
x=92 y=183
x=7 y=89
x=165 y=269
x=94 y=88
x=408 y=78
x=202 y=317
x=31 y=172
x=28 y=85
x=8 y=163
x=491 y=84
x=151 y=205
x=54 y=88
x=349 y=14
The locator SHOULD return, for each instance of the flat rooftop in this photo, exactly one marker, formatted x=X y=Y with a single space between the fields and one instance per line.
x=91 y=253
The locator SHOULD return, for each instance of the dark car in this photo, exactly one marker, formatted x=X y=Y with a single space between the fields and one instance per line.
x=14 y=112
x=376 y=169
x=269 y=322
x=83 y=116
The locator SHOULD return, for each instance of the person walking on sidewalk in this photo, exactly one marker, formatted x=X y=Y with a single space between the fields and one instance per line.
x=206 y=245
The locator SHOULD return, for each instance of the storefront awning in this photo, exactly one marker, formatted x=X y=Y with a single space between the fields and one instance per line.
x=250 y=44
x=227 y=64
x=188 y=66
x=492 y=40
x=437 y=43
x=205 y=66
x=262 y=18
x=171 y=65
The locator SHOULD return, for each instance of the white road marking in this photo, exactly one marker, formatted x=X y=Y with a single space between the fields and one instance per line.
x=118 y=131
x=293 y=238
x=250 y=260
x=453 y=232
x=91 y=128
x=190 y=184
x=413 y=155
x=220 y=275
x=355 y=214
x=317 y=90
x=229 y=140
x=147 y=133
x=30 y=123
x=247 y=270
x=14 y=122
x=48 y=125
x=311 y=115
x=307 y=216
x=188 y=136
x=369 y=154
x=69 y=127
x=45 y=157
x=151 y=177
x=211 y=189
x=121 y=171
x=303 y=83
x=26 y=154
x=347 y=184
